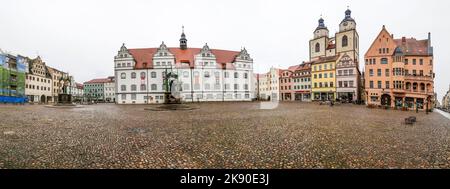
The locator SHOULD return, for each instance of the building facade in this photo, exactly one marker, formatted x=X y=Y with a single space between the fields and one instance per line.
x=399 y=72
x=58 y=79
x=302 y=82
x=12 y=78
x=205 y=74
x=95 y=90
x=446 y=100
x=110 y=89
x=269 y=85
x=286 y=84
x=323 y=78
x=77 y=91
x=335 y=62
x=38 y=82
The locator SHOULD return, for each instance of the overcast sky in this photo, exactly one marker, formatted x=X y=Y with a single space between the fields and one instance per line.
x=82 y=36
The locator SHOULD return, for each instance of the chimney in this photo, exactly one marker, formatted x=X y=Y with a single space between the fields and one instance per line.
x=430 y=48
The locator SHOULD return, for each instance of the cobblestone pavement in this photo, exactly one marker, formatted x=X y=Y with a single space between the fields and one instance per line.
x=221 y=135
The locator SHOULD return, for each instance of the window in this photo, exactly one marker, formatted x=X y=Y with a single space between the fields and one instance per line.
x=123 y=87
x=387 y=85
x=142 y=75
x=245 y=86
x=133 y=87
x=185 y=74
x=206 y=74
x=325 y=75
x=143 y=87
x=153 y=74
x=207 y=86
x=350 y=72
x=421 y=72
x=370 y=72
x=406 y=61
x=225 y=74
x=379 y=72
x=315 y=76
x=344 y=41
x=384 y=61
x=236 y=75
x=236 y=87
x=245 y=75
x=371 y=84
x=421 y=61
x=350 y=83
x=387 y=72
x=340 y=83
x=133 y=75
x=414 y=61
x=379 y=84
x=123 y=75
x=320 y=76
x=186 y=87
x=154 y=87
x=317 y=47
x=331 y=75
x=133 y=96
x=124 y=96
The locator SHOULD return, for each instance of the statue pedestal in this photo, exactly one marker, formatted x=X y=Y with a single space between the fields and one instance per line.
x=169 y=99
x=64 y=99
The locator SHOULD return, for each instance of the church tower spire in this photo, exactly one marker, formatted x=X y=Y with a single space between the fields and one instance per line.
x=183 y=40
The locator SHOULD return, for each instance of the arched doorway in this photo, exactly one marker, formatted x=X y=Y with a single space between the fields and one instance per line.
x=268 y=98
x=386 y=100
x=42 y=98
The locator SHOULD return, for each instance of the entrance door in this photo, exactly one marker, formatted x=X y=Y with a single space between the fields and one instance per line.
x=43 y=99
x=386 y=100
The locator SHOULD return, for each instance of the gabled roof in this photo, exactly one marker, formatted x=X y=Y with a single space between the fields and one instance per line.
x=142 y=56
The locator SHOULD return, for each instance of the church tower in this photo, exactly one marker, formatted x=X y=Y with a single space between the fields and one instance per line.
x=183 y=40
x=318 y=45
x=347 y=39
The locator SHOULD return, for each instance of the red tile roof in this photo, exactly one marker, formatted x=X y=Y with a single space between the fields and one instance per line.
x=100 y=80
x=79 y=85
x=142 y=56
x=412 y=46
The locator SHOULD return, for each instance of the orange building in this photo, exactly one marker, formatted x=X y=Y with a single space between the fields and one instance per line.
x=399 y=72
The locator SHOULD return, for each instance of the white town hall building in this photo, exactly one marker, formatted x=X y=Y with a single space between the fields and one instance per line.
x=205 y=74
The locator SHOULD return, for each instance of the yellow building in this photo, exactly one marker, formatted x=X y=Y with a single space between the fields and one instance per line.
x=323 y=78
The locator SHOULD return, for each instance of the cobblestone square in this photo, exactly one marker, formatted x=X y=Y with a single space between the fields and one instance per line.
x=221 y=135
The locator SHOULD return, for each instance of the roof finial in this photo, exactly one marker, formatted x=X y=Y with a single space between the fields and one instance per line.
x=182 y=28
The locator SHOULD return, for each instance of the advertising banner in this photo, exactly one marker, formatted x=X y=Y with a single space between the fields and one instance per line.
x=21 y=67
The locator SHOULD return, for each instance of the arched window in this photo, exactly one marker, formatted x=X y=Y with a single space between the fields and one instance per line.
x=236 y=75
x=153 y=74
x=344 y=41
x=154 y=87
x=133 y=87
x=142 y=75
x=317 y=47
x=133 y=75
x=123 y=75
x=143 y=87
